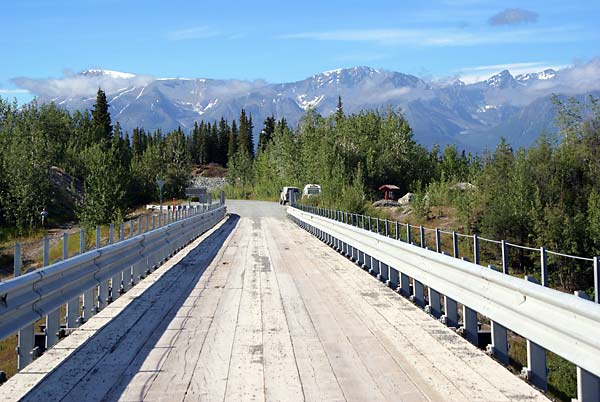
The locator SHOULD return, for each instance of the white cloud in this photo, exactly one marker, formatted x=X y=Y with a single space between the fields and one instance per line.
x=13 y=91
x=201 y=32
x=75 y=85
x=513 y=16
x=442 y=37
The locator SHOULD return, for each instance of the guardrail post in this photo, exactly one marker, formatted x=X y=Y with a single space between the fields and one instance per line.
x=139 y=225
x=596 y=279
x=394 y=279
x=387 y=228
x=397 y=230
x=377 y=226
x=544 y=267
x=52 y=319
x=122 y=231
x=499 y=346
x=408 y=236
x=404 y=285
x=103 y=287
x=450 y=312
x=383 y=274
x=536 y=370
x=435 y=304
x=418 y=293
x=131 y=232
x=26 y=336
x=422 y=235
x=153 y=221
x=73 y=312
x=88 y=295
x=470 y=325
x=147 y=223
x=504 y=257
x=370 y=224
x=455 y=244
x=438 y=241
x=476 y=249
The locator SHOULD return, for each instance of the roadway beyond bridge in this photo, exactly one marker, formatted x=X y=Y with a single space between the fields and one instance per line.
x=262 y=311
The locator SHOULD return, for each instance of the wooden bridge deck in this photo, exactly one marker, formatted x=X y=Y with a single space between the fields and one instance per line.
x=278 y=316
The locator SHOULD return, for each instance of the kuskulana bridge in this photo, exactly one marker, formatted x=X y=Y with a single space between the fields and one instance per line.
x=252 y=301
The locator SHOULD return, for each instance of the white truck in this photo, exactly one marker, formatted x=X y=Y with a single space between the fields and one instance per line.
x=284 y=196
x=311 y=189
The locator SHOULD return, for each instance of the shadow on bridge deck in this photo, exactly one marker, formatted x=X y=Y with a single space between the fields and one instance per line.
x=99 y=368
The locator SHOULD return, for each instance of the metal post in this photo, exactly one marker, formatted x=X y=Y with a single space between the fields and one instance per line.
x=88 y=296
x=72 y=305
x=544 y=267
x=147 y=226
x=435 y=304
x=499 y=343
x=451 y=312
x=596 y=279
x=422 y=234
x=26 y=337
x=383 y=275
x=455 y=244
x=387 y=228
x=139 y=225
x=46 y=261
x=397 y=230
x=103 y=287
x=122 y=231
x=377 y=226
x=438 y=241
x=476 y=249
x=536 y=370
x=131 y=232
x=418 y=293
x=504 y=257
x=394 y=280
x=404 y=285
x=470 y=326
x=370 y=225
x=52 y=319
x=111 y=233
x=408 y=237
x=153 y=221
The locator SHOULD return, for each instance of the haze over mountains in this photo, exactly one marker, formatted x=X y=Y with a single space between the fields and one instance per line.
x=473 y=115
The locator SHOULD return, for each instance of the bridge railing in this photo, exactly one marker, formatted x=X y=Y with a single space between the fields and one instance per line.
x=567 y=325
x=80 y=286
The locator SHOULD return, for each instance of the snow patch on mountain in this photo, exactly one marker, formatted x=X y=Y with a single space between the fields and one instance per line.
x=306 y=104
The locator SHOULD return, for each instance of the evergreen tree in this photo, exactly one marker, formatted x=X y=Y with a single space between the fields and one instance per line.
x=266 y=133
x=245 y=138
x=101 y=117
x=223 y=142
x=233 y=142
x=339 y=112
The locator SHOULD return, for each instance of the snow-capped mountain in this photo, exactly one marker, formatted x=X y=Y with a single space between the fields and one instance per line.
x=472 y=116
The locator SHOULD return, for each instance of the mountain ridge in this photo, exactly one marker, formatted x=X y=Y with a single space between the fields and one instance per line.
x=469 y=115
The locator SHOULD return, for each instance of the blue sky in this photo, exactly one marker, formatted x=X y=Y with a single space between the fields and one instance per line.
x=282 y=41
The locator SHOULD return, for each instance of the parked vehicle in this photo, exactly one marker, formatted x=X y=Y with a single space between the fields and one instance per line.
x=284 y=196
x=311 y=189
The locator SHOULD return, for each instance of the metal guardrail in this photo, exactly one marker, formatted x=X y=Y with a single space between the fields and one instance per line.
x=565 y=324
x=99 y=276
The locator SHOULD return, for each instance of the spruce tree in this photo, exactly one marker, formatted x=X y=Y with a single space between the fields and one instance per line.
x=339 y=112
x=233 y=141
x=266 y=133
x=101 y=117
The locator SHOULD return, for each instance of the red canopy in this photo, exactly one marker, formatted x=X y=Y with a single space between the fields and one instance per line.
x=389 y=187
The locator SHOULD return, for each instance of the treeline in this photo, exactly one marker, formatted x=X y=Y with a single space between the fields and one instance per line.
x=350 y=156
x=115 y=171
